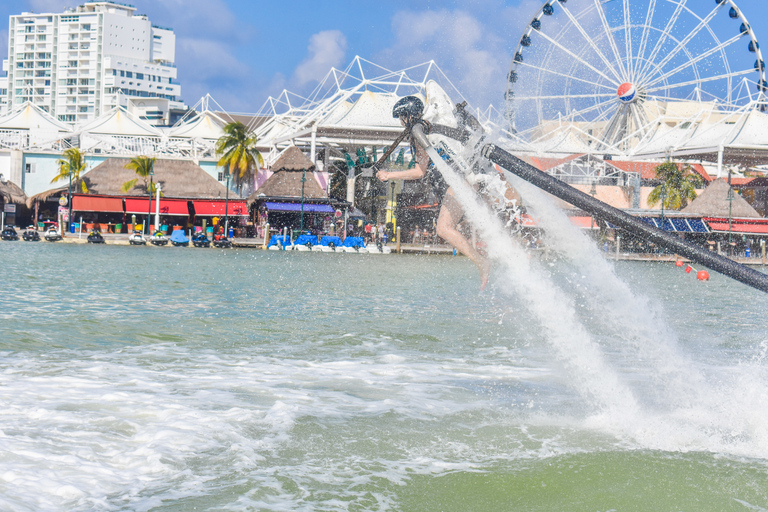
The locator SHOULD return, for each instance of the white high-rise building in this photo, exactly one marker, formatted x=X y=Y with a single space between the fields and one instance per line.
x=79 y=64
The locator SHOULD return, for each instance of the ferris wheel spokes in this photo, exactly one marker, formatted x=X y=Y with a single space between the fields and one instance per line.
x=687 y=39
x=664 y=34
x=591 y=43
x=644 y=38
x=628 y=37
x=733 y=74
x=564 y=75
x=691 y=62
x=611 y=40
x=576 y=57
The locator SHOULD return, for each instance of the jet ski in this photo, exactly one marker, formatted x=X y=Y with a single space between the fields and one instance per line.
x=179 y=239
x=137 y=239
x=200 y=240
x=8 y=233
x=159 y=238
x=95 y=237
x=52 y=235
x=30 y=234
x=221 y=242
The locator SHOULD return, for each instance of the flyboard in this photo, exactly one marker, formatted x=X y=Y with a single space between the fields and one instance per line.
x=441 y=133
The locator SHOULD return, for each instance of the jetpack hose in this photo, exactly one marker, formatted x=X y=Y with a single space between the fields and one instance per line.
x=625 y=221
x=376 y=165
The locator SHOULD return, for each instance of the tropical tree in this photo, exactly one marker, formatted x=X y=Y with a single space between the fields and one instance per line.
x=677 y=187
x=238 y=153
x=72 y=164
x=142 y=166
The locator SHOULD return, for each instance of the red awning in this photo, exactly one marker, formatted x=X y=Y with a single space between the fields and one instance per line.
x=176 y=207
x=747 y=229
x=216 y=208
x=137 y=205
x=97 y=204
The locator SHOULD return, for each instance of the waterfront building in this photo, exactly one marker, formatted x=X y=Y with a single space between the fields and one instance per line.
x=81 y=63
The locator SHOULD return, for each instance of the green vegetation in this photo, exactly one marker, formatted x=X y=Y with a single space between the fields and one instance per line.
x=142 y=166
x=72 y=164
x=677 y=188
x=239 y=155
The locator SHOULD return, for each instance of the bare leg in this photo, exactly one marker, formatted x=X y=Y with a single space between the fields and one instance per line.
x=449 y=217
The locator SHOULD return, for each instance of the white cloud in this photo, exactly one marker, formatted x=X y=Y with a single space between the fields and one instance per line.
x=326 y=49
x=473 y=49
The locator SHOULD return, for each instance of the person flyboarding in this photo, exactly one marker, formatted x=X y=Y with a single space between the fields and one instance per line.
x=466 y=132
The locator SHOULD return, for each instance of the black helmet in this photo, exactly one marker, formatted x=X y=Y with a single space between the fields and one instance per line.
x=408 y=106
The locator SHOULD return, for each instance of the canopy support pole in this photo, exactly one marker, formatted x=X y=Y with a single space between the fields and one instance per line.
x=720 y=151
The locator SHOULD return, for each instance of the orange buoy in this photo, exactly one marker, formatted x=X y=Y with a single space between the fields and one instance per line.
x=688 y=269
x=702 y=275
x=679 y=263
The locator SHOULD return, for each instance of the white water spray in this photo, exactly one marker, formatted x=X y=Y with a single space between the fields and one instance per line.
x=595 y=380
x=696 y=414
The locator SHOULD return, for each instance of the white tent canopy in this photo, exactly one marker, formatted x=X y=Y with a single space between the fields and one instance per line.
x=205 y=125
x=29 y=116
x=120 y=122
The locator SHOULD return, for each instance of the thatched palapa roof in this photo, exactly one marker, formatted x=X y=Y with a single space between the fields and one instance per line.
x=286 y=180
x=12 y=193
x=713 y=202
x=293 y=159
x=177 y=178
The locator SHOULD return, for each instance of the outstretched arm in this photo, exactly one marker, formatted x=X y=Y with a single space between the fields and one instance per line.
x=411 y=174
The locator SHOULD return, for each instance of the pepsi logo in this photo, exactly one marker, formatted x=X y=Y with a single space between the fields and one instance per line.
x=626 y=92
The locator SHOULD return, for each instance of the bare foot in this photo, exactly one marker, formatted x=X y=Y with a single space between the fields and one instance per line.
x=485 y=274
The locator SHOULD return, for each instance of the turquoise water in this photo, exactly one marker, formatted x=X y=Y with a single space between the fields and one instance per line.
x=140 y=378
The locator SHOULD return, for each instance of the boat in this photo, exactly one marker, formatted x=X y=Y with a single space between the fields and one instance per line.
x=159 y=238
x=353 y=244
x=52 y=235
x=200 y=240
x=137 y=239
x=8 y=233
x=305 y=243
x=30 y=234
x=95 y=237
x=328 y=244
x=279 y=242
x=179 y=239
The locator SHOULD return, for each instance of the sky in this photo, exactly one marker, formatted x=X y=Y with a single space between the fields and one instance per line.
x=243 y=51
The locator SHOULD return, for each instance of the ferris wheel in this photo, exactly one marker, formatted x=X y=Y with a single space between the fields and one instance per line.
x=611 y=66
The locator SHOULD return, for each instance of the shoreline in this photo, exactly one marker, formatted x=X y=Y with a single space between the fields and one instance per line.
x=428 y=249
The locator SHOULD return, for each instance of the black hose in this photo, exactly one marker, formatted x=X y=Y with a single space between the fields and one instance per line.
x=544 y=181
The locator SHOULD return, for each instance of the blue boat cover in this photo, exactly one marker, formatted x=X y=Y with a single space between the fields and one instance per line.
x=328 y=240
x=354 y=241
x=306 y=239
x=284 y=240
x=179 y=237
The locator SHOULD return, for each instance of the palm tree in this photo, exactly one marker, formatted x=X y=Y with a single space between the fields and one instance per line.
x=677 y=187
x=238 y=153
x=142 y=166
x=72 y=165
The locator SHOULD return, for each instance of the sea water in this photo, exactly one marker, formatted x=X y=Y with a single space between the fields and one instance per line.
x=142 y=378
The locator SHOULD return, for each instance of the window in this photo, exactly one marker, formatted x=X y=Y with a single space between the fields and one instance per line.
x=221 y=176
x=29 y=168
x=122 y=73
x=140 y=76
x=129 y=74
